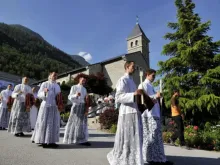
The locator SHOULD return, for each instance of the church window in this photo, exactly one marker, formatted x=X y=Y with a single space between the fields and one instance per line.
x=136 y=42
x=131 y=44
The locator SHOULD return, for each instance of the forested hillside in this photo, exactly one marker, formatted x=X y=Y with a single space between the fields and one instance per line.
x=24 y=52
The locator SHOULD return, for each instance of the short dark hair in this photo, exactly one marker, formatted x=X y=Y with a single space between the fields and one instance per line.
x=128 y=63
x=82 y=76
x=150 y=71
x=79 y=76
x=9 y=84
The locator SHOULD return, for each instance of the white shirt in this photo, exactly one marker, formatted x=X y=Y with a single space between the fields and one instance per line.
x=125 y=89
x=5 y=95
x=49 y=98
x=73 y=94
x=25 y=90
x=149 y=90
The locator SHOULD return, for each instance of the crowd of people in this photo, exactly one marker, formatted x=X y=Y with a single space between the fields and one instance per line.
x=138 y=138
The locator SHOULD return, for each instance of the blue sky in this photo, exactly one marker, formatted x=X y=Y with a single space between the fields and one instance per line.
x=100 y=27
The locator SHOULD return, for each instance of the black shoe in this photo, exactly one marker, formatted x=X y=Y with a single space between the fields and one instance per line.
x=17 y=134
x=32 y=141
x=45 y=146
x=21 y=134
x=54 y=145
x=86 y=144
x=3 y=128
x=167 y=163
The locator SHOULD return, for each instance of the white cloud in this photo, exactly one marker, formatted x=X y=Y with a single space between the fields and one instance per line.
x=86 y=56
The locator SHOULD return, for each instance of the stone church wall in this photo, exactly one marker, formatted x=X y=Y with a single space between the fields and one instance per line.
x=113 y=71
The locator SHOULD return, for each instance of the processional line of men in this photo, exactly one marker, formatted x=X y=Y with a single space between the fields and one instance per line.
x=22 y=105
x=138 y=138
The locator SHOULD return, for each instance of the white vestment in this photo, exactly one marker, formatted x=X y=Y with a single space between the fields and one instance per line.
x=128 y=139
x=47 y=127
x=153 y=149
x=4 y=114
x=20 y=119
x=76 y=128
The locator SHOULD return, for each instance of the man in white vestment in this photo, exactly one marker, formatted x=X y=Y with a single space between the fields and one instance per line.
x=128 y=139
x=153 y=149
x=47 y=127
x=19 y=121
x=4 y=113
x=76 y=131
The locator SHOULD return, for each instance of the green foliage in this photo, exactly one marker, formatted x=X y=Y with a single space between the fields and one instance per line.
x=167 y=136
x=192 y=136
x=193 y=66
x=24 y=52
x=65 y=116
x=113 y=128
x=95 y=83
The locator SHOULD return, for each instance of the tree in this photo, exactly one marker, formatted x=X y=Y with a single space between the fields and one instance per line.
x=95 y=83
x=193 y=66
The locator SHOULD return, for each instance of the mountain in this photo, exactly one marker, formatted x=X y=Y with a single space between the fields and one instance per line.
x=80 y=60
x=25 y=53
x=27 y=30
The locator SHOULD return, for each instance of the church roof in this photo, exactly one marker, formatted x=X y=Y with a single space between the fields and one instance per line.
x=78 y=70
x=137 y=31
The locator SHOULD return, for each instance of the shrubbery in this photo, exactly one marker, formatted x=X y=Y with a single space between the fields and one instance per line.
x=108 y=119
x=207 y=138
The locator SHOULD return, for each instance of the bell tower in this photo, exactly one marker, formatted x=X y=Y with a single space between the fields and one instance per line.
x=137 y=41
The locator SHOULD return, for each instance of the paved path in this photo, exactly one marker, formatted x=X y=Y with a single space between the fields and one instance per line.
x=20 y=151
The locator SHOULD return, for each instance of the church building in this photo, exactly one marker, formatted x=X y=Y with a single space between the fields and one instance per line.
x=113 y=69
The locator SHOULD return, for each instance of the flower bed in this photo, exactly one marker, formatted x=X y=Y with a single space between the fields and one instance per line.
x=207 y=138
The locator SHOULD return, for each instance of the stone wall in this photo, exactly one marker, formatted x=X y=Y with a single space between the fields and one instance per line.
x=113 y=72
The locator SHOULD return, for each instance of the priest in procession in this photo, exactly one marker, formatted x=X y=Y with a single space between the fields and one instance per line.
x=76 y=131
x=4 y=110
x=47 y=127
x=19 y=121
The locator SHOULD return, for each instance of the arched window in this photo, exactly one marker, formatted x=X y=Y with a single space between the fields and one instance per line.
x=131 y=44
x=136 y=42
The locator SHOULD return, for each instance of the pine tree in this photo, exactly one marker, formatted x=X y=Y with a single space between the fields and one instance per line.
x=194 y=64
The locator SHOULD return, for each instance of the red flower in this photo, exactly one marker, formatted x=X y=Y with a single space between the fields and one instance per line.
x=195 y=128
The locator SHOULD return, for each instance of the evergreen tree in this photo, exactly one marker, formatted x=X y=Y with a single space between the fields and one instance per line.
x=194 y=64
